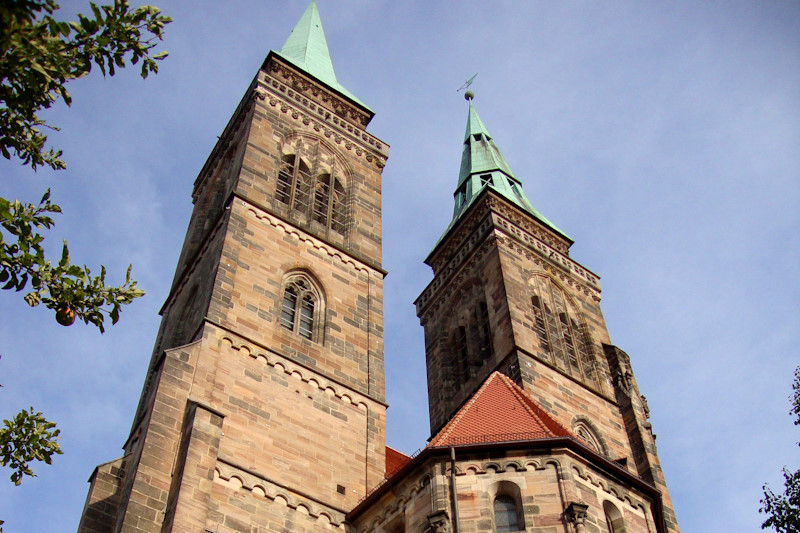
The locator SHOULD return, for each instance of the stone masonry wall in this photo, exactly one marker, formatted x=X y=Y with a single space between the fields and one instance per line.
x=543 y=484
x=282 y=114
x=259 y=251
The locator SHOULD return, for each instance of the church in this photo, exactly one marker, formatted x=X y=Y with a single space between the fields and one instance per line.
x=264 y=405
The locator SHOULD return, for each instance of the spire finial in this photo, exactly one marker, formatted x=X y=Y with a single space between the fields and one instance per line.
x=466 y=84
x=469 y=95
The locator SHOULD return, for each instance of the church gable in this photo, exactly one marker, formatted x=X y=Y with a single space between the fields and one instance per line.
x=500 y=411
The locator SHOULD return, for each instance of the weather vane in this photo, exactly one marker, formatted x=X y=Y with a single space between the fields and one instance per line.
x=466 y=84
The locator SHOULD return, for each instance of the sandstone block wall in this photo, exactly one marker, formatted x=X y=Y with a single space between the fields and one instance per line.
x=542 y=484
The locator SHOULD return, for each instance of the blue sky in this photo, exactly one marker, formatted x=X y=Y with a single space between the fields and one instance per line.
x=663 y=137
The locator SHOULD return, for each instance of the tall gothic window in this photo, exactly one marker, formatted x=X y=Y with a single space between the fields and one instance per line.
x=301 y=307
x=294 y=182
x=329 y=203
x=563 y=340
x=312 y=184
x=471 y=336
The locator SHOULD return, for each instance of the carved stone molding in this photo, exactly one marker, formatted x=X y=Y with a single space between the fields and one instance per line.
x=454 y=244
x=331 y=130
x=238 y=479
x=288 y=229
x=439 y=522
x=312 y=90
x=441 y=289
x=575 y=513
x=524 y=222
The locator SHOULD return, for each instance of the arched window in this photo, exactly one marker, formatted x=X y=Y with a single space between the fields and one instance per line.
x=563 y=340
x=506 y=517
x=301 y=307
x=471 y=336
x=312 y=185
x=506 y=501
x=614 y=521
x=329 y=203
x=294 y=182
x=589 y=436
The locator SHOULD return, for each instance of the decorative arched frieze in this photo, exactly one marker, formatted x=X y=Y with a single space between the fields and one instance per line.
x=513 y=466
x=534 y=464
x=611 y=490
x=302 y=236
x=239 y=480
x=281 y=365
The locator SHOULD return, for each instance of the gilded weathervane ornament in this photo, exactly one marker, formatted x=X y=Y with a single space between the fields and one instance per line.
x=466 y=86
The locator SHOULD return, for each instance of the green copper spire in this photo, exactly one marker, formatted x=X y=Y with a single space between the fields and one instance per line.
x=483 y=166
x=307 y=49
x=480 y=153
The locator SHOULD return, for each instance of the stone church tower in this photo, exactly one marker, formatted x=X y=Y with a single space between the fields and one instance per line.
x=264 y=405
x=267 y=371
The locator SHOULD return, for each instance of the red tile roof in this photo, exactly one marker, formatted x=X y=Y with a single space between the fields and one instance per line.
x=500 y=411
x=394 y=461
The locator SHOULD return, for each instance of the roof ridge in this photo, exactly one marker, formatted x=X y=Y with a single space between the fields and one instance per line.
x=448 y=428
x=396 y=450
x=535 y=410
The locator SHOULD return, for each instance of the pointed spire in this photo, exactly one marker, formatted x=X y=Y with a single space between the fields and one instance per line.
x=483 y=166
x=480 y=153
x=307 y=49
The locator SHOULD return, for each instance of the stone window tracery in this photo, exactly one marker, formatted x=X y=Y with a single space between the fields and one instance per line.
x=588 y=436
x=313 y=186
x=471 y=337
x=301 y=307
x=329 y=203
x=563 y=339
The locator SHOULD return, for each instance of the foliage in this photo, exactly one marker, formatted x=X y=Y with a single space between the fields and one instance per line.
x=59 y=286
x=783 y=510
x=40 y=54
x=27 y=437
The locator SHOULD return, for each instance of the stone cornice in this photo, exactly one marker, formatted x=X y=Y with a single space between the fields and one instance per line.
x=316 y=91
x=564 y=275
x=449 y=279
x=511 y=230
x=322 y=120
x=527 y=224
x=451 y=243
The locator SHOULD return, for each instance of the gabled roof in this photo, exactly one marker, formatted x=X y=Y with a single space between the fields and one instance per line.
x=307 y=49
x=395 y=460
x=501 y=416
x=500 y=411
